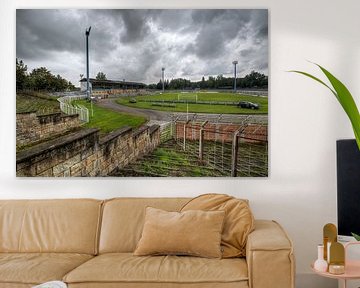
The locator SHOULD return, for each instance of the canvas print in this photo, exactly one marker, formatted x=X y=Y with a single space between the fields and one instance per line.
x=142 y=93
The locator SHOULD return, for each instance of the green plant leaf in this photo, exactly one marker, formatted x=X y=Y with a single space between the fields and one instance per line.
x=356 y=236
x=316 y=79
x=344 y=97
x=347 y=102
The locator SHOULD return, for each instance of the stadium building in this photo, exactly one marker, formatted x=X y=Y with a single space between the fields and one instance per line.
x=96 y=85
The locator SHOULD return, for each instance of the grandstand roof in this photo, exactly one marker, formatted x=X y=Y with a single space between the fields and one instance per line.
x=99 y=82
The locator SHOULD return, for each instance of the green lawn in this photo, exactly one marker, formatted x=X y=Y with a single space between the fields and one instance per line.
x=39 y=103
x=107 y=120
x=199 y=108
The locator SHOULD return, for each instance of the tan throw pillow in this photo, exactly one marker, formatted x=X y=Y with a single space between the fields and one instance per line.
x=196 y=233
x=239 y=220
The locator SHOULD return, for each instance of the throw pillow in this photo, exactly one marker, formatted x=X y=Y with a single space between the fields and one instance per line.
x=196 y=233
x=238 y=224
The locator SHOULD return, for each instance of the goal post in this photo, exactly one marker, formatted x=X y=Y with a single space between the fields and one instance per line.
x=187 y=96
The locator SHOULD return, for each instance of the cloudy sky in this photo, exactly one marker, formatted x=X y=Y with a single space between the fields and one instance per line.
x=135 y=44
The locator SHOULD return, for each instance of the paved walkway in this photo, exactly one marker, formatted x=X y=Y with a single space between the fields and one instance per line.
x=164 y=116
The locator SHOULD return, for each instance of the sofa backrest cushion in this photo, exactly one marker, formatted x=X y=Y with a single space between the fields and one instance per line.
x=123 y=220
x=238 y=224
x=64 y=226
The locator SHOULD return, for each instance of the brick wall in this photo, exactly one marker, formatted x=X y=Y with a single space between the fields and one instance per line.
x=222 y=132
x=84 y=154
x=31 y=128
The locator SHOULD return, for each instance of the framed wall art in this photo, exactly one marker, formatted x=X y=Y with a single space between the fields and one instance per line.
x=142 y=93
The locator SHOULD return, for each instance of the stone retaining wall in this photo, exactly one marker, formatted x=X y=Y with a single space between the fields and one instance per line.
x=84 y=154
x=32 y=128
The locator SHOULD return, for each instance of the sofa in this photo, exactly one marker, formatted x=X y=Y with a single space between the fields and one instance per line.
x=90 y=243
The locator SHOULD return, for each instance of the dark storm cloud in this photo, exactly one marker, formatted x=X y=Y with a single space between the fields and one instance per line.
x=136 y=26
x=135 y=44
x=38 y=32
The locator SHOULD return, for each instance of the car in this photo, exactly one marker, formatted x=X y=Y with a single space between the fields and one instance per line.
x=248 y=105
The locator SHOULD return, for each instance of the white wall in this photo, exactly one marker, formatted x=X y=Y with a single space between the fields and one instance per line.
x=305 y=120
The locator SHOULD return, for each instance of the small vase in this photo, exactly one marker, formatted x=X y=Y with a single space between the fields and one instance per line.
x=320 y=264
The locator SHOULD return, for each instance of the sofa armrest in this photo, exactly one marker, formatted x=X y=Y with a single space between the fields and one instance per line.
x=269 y=256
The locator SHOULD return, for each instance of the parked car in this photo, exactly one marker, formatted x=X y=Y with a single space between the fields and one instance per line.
x=248 y=105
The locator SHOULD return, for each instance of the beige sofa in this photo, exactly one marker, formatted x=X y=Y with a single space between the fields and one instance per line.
x=89 y=243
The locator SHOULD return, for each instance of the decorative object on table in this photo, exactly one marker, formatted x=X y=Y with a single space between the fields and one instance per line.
x=320 y=264
x=340 y=267
x=329 y=236
x=337 y=258
x=52 y=284
x=344 y=97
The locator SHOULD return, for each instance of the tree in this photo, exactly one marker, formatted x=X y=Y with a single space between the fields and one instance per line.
x=255 y=80
x=101 y=76
x=159 y=85
x=252 y=80
x=21 y=74
x=203 y=83
x=40 y=79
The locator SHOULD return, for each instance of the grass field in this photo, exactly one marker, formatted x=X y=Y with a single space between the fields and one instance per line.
x=170 y=160
x=199 y=108
x=107 y=120
x=39 y=103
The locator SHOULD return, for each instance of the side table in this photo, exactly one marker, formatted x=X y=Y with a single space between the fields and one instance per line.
x=352 y=269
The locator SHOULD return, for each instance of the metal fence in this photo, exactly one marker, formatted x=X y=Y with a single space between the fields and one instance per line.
x=229 y=149
x=67 y=107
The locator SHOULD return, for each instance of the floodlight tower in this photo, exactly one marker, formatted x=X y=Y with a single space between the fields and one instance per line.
x=162 y=76
x=87 y=34
x=235 y=63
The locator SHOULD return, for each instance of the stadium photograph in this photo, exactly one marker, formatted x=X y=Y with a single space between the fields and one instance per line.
x=142 y=93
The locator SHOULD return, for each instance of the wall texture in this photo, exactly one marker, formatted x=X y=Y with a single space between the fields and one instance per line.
x=305 y=120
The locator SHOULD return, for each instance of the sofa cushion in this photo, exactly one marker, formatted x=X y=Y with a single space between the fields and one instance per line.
x=239 y=220
x=193 y=232
x=126 y=268
x=36 y=268
x=123 y=220
x=63 y=226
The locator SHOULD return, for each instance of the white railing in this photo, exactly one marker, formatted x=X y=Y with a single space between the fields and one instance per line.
x=67 y=107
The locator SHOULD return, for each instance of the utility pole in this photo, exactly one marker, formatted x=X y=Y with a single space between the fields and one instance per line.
x=235 y=63
x=87 y=33
x=163 y=80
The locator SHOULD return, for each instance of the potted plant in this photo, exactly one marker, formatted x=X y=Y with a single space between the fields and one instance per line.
x=344 y=97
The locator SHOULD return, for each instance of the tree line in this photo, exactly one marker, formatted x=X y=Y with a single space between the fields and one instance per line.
x=252 y=80
x=40 y=79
